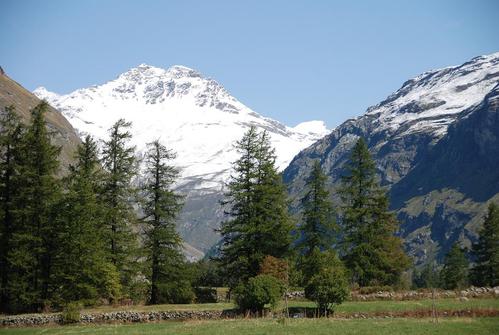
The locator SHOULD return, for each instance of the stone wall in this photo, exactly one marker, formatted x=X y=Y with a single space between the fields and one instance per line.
x=472 y=292
x=120 y=316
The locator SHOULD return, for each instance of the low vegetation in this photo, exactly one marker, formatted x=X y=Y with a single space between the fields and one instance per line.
x=476 y=326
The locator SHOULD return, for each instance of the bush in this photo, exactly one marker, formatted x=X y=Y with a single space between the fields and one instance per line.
x=71 y=313
x=179 y=292
x=258 y=292
x=329 y=287
x=205 y=294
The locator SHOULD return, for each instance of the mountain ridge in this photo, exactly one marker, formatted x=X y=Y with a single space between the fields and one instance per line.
x=407 y=132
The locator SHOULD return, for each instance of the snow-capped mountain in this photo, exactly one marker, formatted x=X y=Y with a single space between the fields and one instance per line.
x=191 y=114
x=436 y=145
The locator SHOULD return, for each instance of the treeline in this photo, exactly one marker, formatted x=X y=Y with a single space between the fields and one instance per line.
x=79 y=237
x=462 y=267
x=264 y=251
x=104 y=232
x=321 y=255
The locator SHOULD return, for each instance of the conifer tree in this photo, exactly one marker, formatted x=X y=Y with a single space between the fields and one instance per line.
x=11 y=132
x=371 y=251
x=258 y=224
x=84 y=271
x=161 y=206
x=119 y=163
x=319 y=224
x=454 y=274
x=486 y=251
x=34 y=243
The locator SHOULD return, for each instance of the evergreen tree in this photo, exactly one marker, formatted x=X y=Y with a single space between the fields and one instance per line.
x=11 y=132
x=161 y=207
x=34 y=244
x=371 y=251
x=454 y=274
x=119 y=163
x=84 y=272
x=486 y=251
x=319 y=224
x=259 y=223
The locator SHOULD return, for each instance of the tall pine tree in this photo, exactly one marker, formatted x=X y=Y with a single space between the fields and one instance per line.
x=318 y=228
x=371 y=251
x=11 y=132
x=119 y=163
x=258 y=224
x=34 y=244
x=83 y=270
x=161 y=206
x=486 y=251
x=454 y=274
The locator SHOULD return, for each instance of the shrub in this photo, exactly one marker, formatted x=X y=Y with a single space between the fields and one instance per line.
x=205 y=294
x=71 y=313
x=329 y=287
x=179 y=292
x=258 y=292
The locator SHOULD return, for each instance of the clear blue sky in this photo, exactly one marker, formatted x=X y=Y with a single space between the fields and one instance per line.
x=289 y=60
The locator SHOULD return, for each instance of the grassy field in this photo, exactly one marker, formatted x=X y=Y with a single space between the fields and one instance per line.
x=347 y=307
x=459 y=326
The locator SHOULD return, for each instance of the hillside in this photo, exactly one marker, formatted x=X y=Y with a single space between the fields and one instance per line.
x=11 y=93
x=436 y=146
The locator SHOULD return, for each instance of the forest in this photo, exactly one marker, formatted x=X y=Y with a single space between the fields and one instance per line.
x=103 y=230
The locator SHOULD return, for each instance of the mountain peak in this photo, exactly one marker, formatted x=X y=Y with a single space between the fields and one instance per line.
x=183 y=71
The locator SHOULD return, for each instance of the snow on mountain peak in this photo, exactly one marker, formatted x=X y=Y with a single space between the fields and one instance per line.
x=314 y=128
x=433 y=99
x=192 y=114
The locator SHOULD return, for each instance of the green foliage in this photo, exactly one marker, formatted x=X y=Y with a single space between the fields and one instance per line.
x=178 y=292
x=161 y=206
x=208 y=273
x=257 y=292
x=11 y=134
x=256 y=200
x=486 y=251
x=84 y=273
x=205 y=295
x=428 y=277
x=372 y=252
x=454 y=274
x=329 y=285
x=71 y=313
x=119 y=165
x=33 y=244
x=319 y=226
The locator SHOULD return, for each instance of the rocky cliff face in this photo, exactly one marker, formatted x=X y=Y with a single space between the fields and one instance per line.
x=435 y=142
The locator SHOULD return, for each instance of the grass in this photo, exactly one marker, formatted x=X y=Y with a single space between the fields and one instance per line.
x=347 y=307
x=459 y=326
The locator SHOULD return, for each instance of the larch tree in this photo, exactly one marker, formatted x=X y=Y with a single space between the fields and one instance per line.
x=371 y=251
x=84 y=271
x=161 y=206
x=258 y=222
x=318 y=227
x=11 y=133
x=119 y=163
x=35 y=242
x=486 y=251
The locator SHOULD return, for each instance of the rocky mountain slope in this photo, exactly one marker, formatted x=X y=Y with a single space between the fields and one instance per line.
x=11 y=93
x=436 y=145
x=191 y=114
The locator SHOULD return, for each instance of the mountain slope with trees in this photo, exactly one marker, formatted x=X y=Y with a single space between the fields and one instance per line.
x=435 y=144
